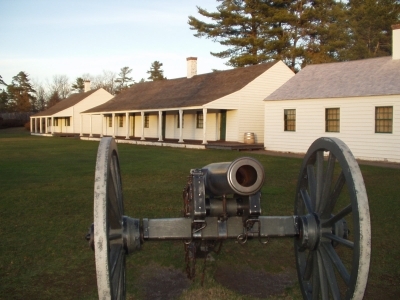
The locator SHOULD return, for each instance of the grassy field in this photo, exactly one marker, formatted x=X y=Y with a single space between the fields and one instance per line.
x=46 y=206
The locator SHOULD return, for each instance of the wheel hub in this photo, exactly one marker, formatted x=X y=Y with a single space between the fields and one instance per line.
x=309 y=232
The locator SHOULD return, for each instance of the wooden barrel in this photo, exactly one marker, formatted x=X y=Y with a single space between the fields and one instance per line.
x=249 y=138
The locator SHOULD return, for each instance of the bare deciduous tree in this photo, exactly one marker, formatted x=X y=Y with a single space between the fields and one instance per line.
x=106 y=80
x=41 y=95
x=61 y=85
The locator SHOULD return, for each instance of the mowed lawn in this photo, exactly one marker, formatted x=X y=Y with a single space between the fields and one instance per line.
x=46 y=207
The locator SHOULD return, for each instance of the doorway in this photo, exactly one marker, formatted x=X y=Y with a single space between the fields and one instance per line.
x=222 y=126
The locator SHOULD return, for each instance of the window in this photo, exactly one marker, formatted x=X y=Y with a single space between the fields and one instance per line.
x=67 y=121
x=383 y=119
x=146 y=121
x=199 y=119
x=121 y=121
x=290 y=119
x=55 y=121
x=183 y=123
x=109 y=121
x=332 y=120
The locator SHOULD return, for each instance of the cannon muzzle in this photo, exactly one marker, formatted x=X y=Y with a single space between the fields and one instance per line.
x=244 y=176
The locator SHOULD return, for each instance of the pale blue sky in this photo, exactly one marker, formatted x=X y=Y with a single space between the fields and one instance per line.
x=53 y=37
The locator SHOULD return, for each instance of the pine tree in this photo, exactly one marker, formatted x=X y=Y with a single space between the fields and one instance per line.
x=79 y=85
x=370 y=27
x=244 y=26
x=3 y=101
x=156 y=73
x=21 y=93
x=3 y=97
x=326 y=36
x=298 y=32
x=123 y=79
x=2 y=81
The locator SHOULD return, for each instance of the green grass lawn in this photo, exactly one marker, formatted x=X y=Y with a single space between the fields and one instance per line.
x=46 y=206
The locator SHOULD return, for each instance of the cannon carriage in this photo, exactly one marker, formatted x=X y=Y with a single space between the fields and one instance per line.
x=330 y=225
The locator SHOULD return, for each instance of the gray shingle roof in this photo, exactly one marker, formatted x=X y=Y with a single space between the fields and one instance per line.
x=367 y=77
x=183 y=92
x=64 y=104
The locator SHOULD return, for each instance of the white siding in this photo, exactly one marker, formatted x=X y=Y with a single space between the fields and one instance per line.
x=171 y=125
x=249 y=103
x=232 y=128
x=97 y=98
x=357 y=126
x=96 y=124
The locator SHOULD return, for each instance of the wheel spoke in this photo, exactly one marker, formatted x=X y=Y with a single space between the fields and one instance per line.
x=114 y=214
x=319 y=179
x=340 y=215
x=340 y=182
x=315 y=279
x=117 y=189
x=309 y=266
x=327 y=182
x=114 y=236
x=330 y=274
x=312 y=185
x=118 y=186
x=340 y=240
x=306 y=200
x=117 y=261
x=322 y=277
x=337 y=262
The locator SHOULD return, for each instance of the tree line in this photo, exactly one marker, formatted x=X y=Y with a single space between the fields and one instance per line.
x=298 y=32
x=26 y=95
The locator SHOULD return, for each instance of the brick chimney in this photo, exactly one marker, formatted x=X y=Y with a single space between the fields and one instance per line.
x=191 y=66
x=396 y=41
x=87 y=86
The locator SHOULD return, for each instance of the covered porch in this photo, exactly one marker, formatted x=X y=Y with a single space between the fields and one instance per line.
x=50 y=125
x=199 y=124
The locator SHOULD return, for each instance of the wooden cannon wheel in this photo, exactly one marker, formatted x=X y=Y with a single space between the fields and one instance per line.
x=334 y=246
x=108 y=223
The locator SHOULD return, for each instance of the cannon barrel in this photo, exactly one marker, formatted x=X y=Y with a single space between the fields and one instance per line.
x=244 y=176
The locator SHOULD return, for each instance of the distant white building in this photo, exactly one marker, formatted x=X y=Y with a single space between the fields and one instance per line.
x=217 y=106
x=65 y=117
x=356 y=101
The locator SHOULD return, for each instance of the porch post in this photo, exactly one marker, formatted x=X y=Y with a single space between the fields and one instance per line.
x=113 y=124
x=91 y=131
x=101 y=124
x=142 y=115
x=81 y=127
x=127 y=125
x=52 y=125
x=35 y=124
x=180 y=125
x=160 y=126
x=40 y=125
x=45 y=124
x=204 y=126
x=31 y=127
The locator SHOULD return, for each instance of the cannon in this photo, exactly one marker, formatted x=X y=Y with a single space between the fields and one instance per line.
x=330 y=225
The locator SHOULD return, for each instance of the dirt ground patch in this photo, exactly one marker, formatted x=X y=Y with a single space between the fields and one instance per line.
x=255 y=283
x=168 y=283
x=161 y=283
